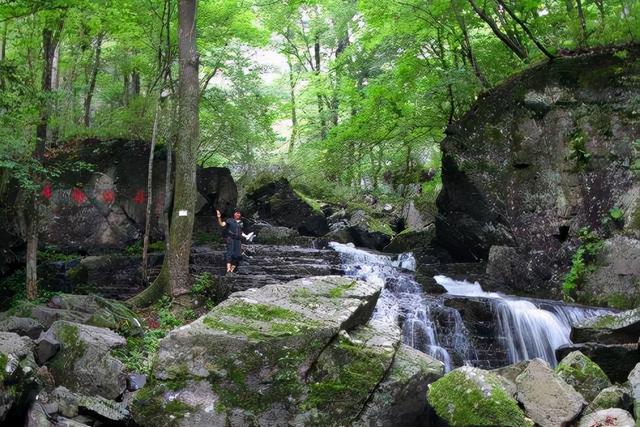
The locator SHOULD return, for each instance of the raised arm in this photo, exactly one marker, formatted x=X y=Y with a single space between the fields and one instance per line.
x=220 y=222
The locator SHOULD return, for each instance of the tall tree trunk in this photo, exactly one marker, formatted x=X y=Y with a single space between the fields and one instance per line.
x=125 y=92
x=135 y=83
x=49 y=41
x=323 y=121
x=92 y=80
x=174 y=274
x=583 y=24
x=52 y=131
x=294 y=115
x=335 y=102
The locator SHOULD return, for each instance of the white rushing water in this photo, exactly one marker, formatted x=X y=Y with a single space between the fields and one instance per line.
x=525 y=328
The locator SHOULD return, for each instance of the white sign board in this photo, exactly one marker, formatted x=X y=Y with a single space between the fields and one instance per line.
x=183 y=212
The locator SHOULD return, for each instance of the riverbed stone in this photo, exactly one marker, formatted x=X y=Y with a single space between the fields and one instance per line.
x=470 y=396
x=585 y=376
x=612 y=417
x=616 y=396
x=547 y=398
x=84 y=363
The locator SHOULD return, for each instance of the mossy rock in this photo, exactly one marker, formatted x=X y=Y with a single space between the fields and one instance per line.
x=583 y=374
x=611 y=397
x=474 y=397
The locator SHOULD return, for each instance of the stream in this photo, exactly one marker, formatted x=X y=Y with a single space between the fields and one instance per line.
x=502 y=330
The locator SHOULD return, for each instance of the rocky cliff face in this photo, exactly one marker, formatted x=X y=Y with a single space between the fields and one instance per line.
x=537 y=159
x=103 y=207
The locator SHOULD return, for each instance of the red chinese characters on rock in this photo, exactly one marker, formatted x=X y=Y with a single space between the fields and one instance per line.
x=78 y=196
x=140 y=197
x=108 y=196
x=47 y=192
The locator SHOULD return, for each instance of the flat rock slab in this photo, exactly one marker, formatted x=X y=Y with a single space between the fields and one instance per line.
x=548 y=399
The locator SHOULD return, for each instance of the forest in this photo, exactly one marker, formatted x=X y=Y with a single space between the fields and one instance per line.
x=488 y=141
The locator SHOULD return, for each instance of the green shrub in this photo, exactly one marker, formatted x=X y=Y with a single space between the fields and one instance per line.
x=581 y=262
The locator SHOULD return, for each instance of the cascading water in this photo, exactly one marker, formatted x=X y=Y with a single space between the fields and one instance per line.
x=524 y=328
x=427 y=325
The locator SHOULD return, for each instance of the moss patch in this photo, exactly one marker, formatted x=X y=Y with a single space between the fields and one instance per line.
x=3 y=365
x=149 y=407
x=461 y=402
x=72 y=350
x=259 y=321
x=338 y=291
x=344 y=380
x=583 y=374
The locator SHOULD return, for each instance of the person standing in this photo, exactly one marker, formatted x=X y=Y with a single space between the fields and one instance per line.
x=233 y=256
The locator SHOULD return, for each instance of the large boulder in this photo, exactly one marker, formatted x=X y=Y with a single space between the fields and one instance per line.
x=23 y=326
x=616 y=360
x=360 y=228
x=585 y=376
x=611 y=397
x=615 y=280
x=277 y=203
x=84 y=363
x=547 y=398
x=17 y=373
x=410 y=239
x=104 y=207
x=474 y=397
x=615 y=328
x=298 y=353
x=540 y=157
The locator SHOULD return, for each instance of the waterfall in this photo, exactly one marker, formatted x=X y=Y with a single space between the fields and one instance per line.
x=524 y=328
x=427 y=325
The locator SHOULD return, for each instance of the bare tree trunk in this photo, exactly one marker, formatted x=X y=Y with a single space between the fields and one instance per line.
x=174 y=274
x=583 y=24
x=323 y=121
x=92 y=81
x=3 y=51
x=52 y=131
x=135 y=83
x=147 y=226
x=125 y=92
x=294 y=115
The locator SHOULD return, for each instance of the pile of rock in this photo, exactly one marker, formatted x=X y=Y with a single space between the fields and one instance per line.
x=56 y=363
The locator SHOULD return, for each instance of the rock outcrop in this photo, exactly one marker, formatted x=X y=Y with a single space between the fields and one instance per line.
x=278 y=204
x=538 y=158
x=104 y=207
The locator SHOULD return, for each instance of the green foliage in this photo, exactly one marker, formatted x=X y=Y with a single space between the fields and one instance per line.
x=135 y=249
x=165 y=316
x=581 y=262
x=13 y=291
x=579 y=152
x=616 y=214
x=52 y=255
x=140 y=352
